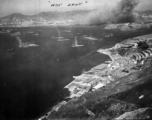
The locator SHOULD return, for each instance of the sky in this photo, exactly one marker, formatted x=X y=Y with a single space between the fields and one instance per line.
x=30 y=7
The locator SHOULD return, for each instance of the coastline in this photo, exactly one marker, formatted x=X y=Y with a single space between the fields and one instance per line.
x=121 y=65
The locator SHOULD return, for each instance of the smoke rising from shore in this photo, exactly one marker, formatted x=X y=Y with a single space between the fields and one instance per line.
x=121 y=13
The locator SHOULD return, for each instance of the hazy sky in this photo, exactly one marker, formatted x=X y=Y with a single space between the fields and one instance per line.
x=35 y=6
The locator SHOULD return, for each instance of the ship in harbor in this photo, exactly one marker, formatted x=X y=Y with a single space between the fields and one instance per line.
x=75 y=43
x=25 y=44
x=60 y=38
x=89 y=37
x=63 y=39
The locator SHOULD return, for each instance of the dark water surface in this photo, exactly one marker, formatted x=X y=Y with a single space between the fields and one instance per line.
x=32 y=79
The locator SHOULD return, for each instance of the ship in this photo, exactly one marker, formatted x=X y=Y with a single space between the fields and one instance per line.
x=25 y=44
x=89 y=38
x=63 y=39
x=60 y=38
x=109 y=35
x=75 y=43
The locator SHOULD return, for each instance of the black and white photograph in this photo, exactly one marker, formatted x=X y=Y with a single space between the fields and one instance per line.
x=75 y=59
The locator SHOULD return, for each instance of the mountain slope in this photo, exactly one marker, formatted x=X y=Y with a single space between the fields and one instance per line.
x=14 y=18
x=127 y=96
x=44 y=17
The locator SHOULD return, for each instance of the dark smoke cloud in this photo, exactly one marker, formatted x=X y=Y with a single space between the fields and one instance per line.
x=121 y=13
x=124 y=11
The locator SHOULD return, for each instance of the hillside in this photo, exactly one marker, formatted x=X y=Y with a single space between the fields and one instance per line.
x=61 y=18
x=43 y=18
x=126 y=94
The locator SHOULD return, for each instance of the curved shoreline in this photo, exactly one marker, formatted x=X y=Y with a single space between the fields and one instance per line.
x=103 y=74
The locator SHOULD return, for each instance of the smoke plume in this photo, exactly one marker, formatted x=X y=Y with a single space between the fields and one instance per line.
x=121 y=13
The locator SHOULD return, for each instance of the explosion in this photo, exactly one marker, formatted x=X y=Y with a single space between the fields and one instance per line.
x=121 y=13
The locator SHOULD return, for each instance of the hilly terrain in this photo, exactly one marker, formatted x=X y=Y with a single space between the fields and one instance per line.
x=126 y=97
x=62 y=18
x=43 y=18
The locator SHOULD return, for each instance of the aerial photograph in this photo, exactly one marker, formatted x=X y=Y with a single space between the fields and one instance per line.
x=75 y=59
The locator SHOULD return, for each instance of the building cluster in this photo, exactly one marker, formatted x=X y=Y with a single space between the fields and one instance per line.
x=99 y=76
x=143 y=55
x=103 y=74
x=42 y=22
x=89 y=81
x=143 y=15
x=62 y=22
